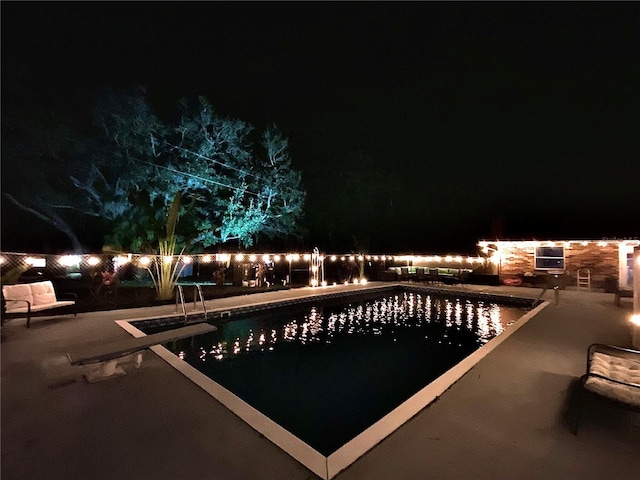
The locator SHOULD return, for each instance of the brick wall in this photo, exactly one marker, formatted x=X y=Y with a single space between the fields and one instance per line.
x=517 y=260
x=602 y=261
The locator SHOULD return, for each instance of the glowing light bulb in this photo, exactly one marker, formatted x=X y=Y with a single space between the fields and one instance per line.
x=69 y=260
x=35 y=261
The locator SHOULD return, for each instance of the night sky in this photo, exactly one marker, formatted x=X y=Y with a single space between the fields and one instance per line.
x=461 y=121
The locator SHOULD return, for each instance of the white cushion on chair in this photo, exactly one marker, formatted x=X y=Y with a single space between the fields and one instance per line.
x=616 y=368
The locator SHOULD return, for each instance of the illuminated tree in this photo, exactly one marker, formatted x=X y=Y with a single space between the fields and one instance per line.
x=231 y=188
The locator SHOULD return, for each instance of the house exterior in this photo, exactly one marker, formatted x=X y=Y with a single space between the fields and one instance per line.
x=608 y=263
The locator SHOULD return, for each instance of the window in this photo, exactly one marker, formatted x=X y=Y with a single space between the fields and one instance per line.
x=549 y=258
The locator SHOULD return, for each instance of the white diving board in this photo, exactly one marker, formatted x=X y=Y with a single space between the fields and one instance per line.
x=108 y=353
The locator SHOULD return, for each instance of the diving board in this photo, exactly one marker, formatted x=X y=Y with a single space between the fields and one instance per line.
x=108 y=353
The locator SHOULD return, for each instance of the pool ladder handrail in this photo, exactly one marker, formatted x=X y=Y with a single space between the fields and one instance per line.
x=197 y=293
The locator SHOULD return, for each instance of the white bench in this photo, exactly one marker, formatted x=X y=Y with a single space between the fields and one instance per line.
x=613 y=373
x=108 y=353
x=26 y=298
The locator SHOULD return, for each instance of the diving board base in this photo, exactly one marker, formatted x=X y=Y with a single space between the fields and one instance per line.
x=107 y=370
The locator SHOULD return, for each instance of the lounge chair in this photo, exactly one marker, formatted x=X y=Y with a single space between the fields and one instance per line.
x=404 y=274
x=613 y=374
x=434 y=277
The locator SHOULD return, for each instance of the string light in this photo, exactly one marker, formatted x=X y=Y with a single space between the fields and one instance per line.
x=494 y=252
x=36 y=261
x=69 y=260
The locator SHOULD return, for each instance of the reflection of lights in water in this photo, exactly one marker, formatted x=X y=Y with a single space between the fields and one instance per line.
x=391 y=316
x=484 y=331
x=470 y=315
x=315 y=324
x=427 y=307
x=448 y=309
x=419 y=307
x=290 y=331
x=274 y=338
x=218 y=351
x=496 y=323
x=249 y=341
x=181 y=355
x=458 y=313
x=410 y=305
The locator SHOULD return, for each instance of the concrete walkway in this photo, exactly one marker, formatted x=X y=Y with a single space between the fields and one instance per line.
x=503 y=420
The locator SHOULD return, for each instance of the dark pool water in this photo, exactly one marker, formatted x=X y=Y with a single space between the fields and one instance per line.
x=326 y=372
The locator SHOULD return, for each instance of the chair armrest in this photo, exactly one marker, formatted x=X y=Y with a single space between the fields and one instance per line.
x=613 y=380
x=16 y=301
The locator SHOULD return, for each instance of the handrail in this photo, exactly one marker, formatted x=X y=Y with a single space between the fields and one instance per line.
x=199 y=292
x=180 y=295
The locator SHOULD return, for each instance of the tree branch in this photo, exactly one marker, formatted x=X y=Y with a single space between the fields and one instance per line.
x=52 y=219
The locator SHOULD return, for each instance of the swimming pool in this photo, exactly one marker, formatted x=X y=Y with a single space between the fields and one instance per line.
x=329 y=369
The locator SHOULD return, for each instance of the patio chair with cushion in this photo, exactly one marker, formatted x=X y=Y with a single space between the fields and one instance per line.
x=613 y=375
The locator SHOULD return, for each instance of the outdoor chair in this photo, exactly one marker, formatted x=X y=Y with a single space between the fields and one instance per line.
x=420 y=275
x=404 y=274
x=613 y=375
x=434 y=277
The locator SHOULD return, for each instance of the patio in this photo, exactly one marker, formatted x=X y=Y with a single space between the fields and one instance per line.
x=503 y=419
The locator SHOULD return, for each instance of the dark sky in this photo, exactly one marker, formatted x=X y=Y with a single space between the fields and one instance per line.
x=524 y=116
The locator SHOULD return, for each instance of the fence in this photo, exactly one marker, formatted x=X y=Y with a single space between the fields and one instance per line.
x=110 y=281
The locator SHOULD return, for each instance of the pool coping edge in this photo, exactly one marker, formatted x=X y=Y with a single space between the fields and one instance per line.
x=327 y=467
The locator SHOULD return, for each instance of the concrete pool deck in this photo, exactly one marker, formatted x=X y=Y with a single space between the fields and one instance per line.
x=503 y=419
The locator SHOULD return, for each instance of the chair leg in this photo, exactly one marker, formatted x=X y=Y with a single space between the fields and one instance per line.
x=578 y=407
